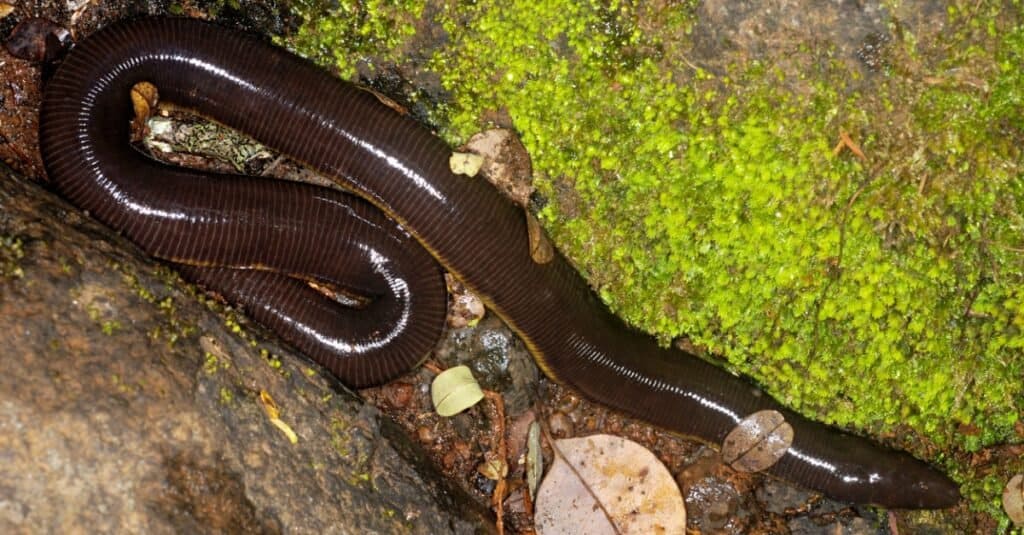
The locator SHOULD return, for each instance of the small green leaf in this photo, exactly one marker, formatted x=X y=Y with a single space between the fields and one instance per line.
x=455 y=390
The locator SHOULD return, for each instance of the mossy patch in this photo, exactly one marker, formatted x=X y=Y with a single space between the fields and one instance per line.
x=11 y=253
x=338 y=34
x=882 y=293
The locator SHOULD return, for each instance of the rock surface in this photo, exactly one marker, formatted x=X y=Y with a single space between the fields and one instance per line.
x=129 y=405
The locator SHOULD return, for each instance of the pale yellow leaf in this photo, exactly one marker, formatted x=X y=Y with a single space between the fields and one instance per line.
x=465 y=163
x=455 y=390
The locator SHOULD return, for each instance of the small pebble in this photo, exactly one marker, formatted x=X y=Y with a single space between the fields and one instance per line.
x=448 y=461
x=38 y=39
x=483 y=484
x=560 y=425
x=425 y=434
x=465 y=309
x=462 y=449
x=398 y=394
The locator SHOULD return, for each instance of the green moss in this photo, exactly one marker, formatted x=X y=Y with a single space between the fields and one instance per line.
x=109 y=327
x=339 y=34
x=99 y=311
x=210 y=363
x=175 y=328
x=724 y=215
x=881 y=294
x=233 y=326
x=123 y=387
x=227 y=397
x=340 y=438
x=11 y=252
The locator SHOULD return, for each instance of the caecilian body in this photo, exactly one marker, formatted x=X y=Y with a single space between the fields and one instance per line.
x=401 y=169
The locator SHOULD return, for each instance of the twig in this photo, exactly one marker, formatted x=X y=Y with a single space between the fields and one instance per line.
x=498 y=499
x=846 y=142
x=894 y=528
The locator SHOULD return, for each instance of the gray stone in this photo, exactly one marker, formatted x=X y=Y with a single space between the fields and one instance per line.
x=129 y=404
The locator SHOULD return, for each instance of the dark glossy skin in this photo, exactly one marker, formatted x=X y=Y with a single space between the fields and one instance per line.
x=402 y=169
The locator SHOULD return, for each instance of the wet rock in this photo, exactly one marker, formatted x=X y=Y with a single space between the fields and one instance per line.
x=498 y=359
x=506 y=163
x=560 y=425
x=115 y=418
x=714 y=505
x=779 y=497
x=38 y=39
x=769 y=28
x=813 y=526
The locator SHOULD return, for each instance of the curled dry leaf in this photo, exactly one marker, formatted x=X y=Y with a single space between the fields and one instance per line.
x=506 y=163
x=534 y=459
x=758 y=441
x=388 y=101
x=541 y=250
x=145 y=97
x=1013 y=500
x=274 y=415
x=455 y=390
x=493 y=468
x=606 y=484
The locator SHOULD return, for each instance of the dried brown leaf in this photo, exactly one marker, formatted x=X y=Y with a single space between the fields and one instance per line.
x=607 y=484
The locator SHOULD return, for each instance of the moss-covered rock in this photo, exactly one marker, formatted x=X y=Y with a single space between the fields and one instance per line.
x=841 y=222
